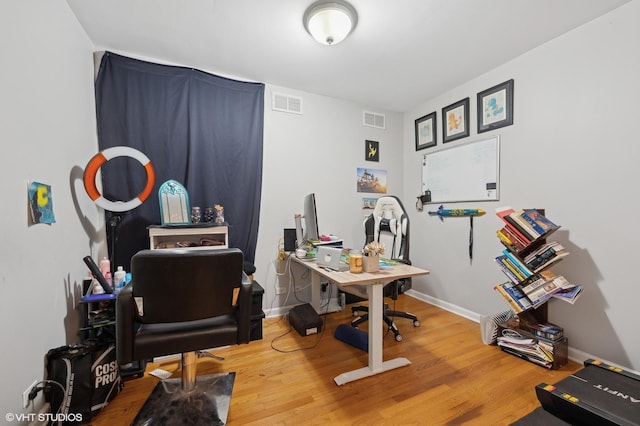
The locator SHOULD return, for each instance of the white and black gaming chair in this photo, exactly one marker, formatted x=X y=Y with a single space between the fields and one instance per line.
x=389 y=224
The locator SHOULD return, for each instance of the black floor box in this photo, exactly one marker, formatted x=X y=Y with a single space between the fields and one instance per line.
x=599 y=394
x=305 y=320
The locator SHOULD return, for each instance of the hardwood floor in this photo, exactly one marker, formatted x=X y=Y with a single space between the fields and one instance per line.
x=454 y=379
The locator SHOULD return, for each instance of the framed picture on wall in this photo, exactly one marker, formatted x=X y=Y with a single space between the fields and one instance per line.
x=455 y=121
x=371 y=151
x=426 y=131
x=495 y=107
x=372 y=180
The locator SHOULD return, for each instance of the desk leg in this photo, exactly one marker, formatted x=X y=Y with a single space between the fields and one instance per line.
x=316 y=292
x=376 y=365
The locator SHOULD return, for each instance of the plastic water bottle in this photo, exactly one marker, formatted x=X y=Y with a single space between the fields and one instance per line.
x=119 y=278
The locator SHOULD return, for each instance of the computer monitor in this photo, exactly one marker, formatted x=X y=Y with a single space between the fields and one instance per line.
x=310 y=219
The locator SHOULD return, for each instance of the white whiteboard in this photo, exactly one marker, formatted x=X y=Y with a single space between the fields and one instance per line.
x=469 y=172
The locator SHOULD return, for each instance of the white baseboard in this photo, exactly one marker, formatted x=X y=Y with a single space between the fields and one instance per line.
x=444 y=305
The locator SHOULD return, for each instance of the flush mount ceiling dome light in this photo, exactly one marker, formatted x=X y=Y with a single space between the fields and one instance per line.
x=330 y=22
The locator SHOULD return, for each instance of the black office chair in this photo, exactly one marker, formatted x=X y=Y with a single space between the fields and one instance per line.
x=181 y=302
x=389 y=224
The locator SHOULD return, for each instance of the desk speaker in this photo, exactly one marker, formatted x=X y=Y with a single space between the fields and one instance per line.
x=289 y=239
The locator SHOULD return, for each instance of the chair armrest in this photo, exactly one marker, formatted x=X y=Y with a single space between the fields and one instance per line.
x=245 y=299
x=125 y=313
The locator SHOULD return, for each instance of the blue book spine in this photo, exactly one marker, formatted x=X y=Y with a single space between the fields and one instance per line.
x=517 y=295
x=521 y=266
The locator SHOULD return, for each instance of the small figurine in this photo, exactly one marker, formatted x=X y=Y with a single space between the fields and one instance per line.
x=219 y=213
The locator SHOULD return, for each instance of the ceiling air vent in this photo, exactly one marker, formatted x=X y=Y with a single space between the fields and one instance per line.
x=373 y=119
x=286 y=103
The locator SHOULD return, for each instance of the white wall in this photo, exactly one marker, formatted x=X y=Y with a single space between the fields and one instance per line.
x=318 y=151
x=48 y=135
x=572 y=150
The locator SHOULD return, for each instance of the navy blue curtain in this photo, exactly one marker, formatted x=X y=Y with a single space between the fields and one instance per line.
x=199 y=129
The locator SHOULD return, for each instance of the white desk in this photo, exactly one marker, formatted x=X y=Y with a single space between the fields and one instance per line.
x=374 y=281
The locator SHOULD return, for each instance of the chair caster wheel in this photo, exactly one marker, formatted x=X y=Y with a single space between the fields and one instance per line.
x=416 y=323
x=398 y=338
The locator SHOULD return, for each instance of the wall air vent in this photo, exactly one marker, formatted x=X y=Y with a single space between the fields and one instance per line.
x=373 y=119
x=286 y=103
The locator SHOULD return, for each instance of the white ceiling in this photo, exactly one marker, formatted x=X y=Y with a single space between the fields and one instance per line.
x=401 y=53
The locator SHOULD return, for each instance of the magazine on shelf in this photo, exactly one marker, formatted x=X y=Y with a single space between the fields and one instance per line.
x=514 y=341
x=569 y=293
x=543 y=287
x=544 y=256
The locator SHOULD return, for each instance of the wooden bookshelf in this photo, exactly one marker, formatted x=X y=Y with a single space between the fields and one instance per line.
x=525 y=262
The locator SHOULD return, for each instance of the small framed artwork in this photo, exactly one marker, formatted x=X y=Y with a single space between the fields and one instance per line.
x=495 y=107
x=40 y=204
x=426 y=131
x=371 y=151
x=455 y=121
x=369 y=203
x=372 y=180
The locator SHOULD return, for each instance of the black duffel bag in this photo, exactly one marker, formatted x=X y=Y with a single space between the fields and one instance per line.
x=80 y=380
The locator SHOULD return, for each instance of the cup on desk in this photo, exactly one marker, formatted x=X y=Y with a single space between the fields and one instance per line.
x=355 y=261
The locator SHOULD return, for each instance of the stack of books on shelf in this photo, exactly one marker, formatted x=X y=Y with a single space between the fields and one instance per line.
x=526 y=259
x=545 y=256
x=535 y=292
x=531 y=349
x=523 y=227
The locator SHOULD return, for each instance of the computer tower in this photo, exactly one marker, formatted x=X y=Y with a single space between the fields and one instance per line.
x=305 y=320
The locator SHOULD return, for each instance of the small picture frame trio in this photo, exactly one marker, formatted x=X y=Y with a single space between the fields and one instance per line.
x=494 y=110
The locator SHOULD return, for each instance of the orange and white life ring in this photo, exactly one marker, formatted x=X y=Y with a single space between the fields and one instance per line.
x=91 y=171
